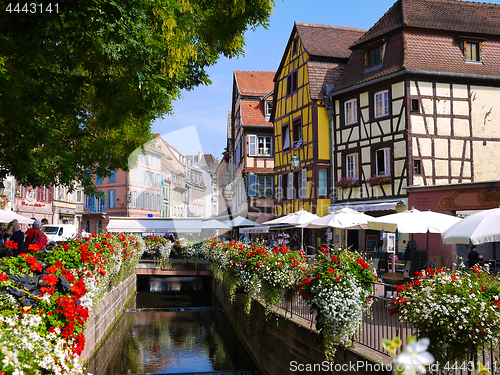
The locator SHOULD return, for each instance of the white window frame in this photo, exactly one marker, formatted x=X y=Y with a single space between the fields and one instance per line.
x=286 y=137
x=385 y=153
x=351 y=111
x=352 y=166
x=381 y=103
x=267 y=145
x=302 y=183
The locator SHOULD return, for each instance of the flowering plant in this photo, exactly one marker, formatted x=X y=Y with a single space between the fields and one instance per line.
x=347 y=182
x=158 y=248
x=338 y=288
x=46 y=297
x=379 y=179
x=3 y=201
x=458 y=311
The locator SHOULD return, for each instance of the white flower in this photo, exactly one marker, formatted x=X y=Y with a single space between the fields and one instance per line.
x=415 y=357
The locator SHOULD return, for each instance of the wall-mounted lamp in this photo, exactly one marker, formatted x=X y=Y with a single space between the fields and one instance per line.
x=295 y=161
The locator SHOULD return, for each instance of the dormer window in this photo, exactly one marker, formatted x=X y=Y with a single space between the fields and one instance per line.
x=374 y=57
x=472 y=51
x=295 y=46
x=269 y=108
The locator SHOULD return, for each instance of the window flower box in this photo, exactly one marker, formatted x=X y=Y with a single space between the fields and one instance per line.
x=347 y=182
x=379 y=179
x=3 y=201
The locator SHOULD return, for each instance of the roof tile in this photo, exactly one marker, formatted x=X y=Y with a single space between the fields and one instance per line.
x=256 y=84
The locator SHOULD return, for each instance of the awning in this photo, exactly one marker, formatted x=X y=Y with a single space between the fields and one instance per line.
x=257 y=229
x=154 y=225
x=381 y=205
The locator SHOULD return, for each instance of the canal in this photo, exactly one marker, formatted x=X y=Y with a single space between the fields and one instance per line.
x=174 y=326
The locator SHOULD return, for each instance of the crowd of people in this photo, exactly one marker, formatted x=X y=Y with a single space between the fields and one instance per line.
x=22 y=240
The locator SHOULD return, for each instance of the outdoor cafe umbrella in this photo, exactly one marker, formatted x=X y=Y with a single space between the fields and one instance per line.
x=240 y=221
x=8 y=216
x=346 y=218
x=414 y=221
x=478 y=228
x=214 y=224
x=296 y=219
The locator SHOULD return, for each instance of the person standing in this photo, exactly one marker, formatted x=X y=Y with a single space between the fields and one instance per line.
x=36 y=236
x=16 y=235
x=474 y=257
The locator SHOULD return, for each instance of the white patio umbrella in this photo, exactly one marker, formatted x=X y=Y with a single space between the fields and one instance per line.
x=346 y=218
x=296 y=219
x=240 y=221
x=214 y=224
x=8 y=216
x=478 y=228
x=414 y=221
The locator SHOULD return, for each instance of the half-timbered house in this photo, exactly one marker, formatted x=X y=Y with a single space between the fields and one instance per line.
x=312 y=63
x=418 y=103
x=251 y=145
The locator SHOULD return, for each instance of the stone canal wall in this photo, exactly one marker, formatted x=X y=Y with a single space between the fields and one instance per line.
x=280 y=345
x=103 y=319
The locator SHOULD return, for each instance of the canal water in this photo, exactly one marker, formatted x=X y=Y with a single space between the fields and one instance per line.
x=174 y=326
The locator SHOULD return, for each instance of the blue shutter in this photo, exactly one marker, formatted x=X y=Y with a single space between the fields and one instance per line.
x=252 y=185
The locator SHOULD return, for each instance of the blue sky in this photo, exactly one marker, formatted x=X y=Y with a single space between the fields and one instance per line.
x=200 y=116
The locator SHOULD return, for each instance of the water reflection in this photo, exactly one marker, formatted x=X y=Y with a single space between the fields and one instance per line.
x=170 y=342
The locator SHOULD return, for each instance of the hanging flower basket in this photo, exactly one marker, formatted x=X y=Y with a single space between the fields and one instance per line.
x=381 y=179
x=347 y=182
x=3 y=201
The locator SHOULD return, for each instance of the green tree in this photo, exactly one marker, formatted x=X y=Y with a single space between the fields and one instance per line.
x=82 y=81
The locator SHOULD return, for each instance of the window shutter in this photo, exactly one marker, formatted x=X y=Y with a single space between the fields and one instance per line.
x=286 y=138
x=387 y=158
x=303 y=186
x=252 y=145
x=279 y=190
x=289 y=191
x=252 y=185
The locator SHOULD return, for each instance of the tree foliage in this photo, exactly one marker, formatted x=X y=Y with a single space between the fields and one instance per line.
x=80 y=88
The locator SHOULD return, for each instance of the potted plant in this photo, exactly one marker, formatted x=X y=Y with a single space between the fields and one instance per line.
x=381 y=179
x=347 y=182
x=458 y=311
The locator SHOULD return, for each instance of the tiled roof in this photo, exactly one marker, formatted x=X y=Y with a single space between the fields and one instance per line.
x=449 y=15
x=255 y=84
x=354 y=72
x=322 y=75
x=252 y=113
x=443 y=54
x=326 y=40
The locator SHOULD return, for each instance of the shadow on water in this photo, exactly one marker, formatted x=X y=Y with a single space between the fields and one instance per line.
x=150 y=340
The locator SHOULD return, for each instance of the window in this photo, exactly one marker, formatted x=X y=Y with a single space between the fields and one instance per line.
x=295 y=46
x=322 y=183
x=133 y=199
x=269 y=108
x=472 y=51
x=382 y=103
x=259 y=145
x=79 y=196
x=352 y=166
x=415 y=105
x=417 y=167
x=285 y=135
x=351 y=111
x=291 y=83
x=98 y=180
x=290 y=191
x=147 y=158
x=297 y=131
x=112 y=178
x=373 y=57
x=260 y=186
x=383 y=162
x=111 y=199
x=302 y=180
x=238 y=153
x=158 y=161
